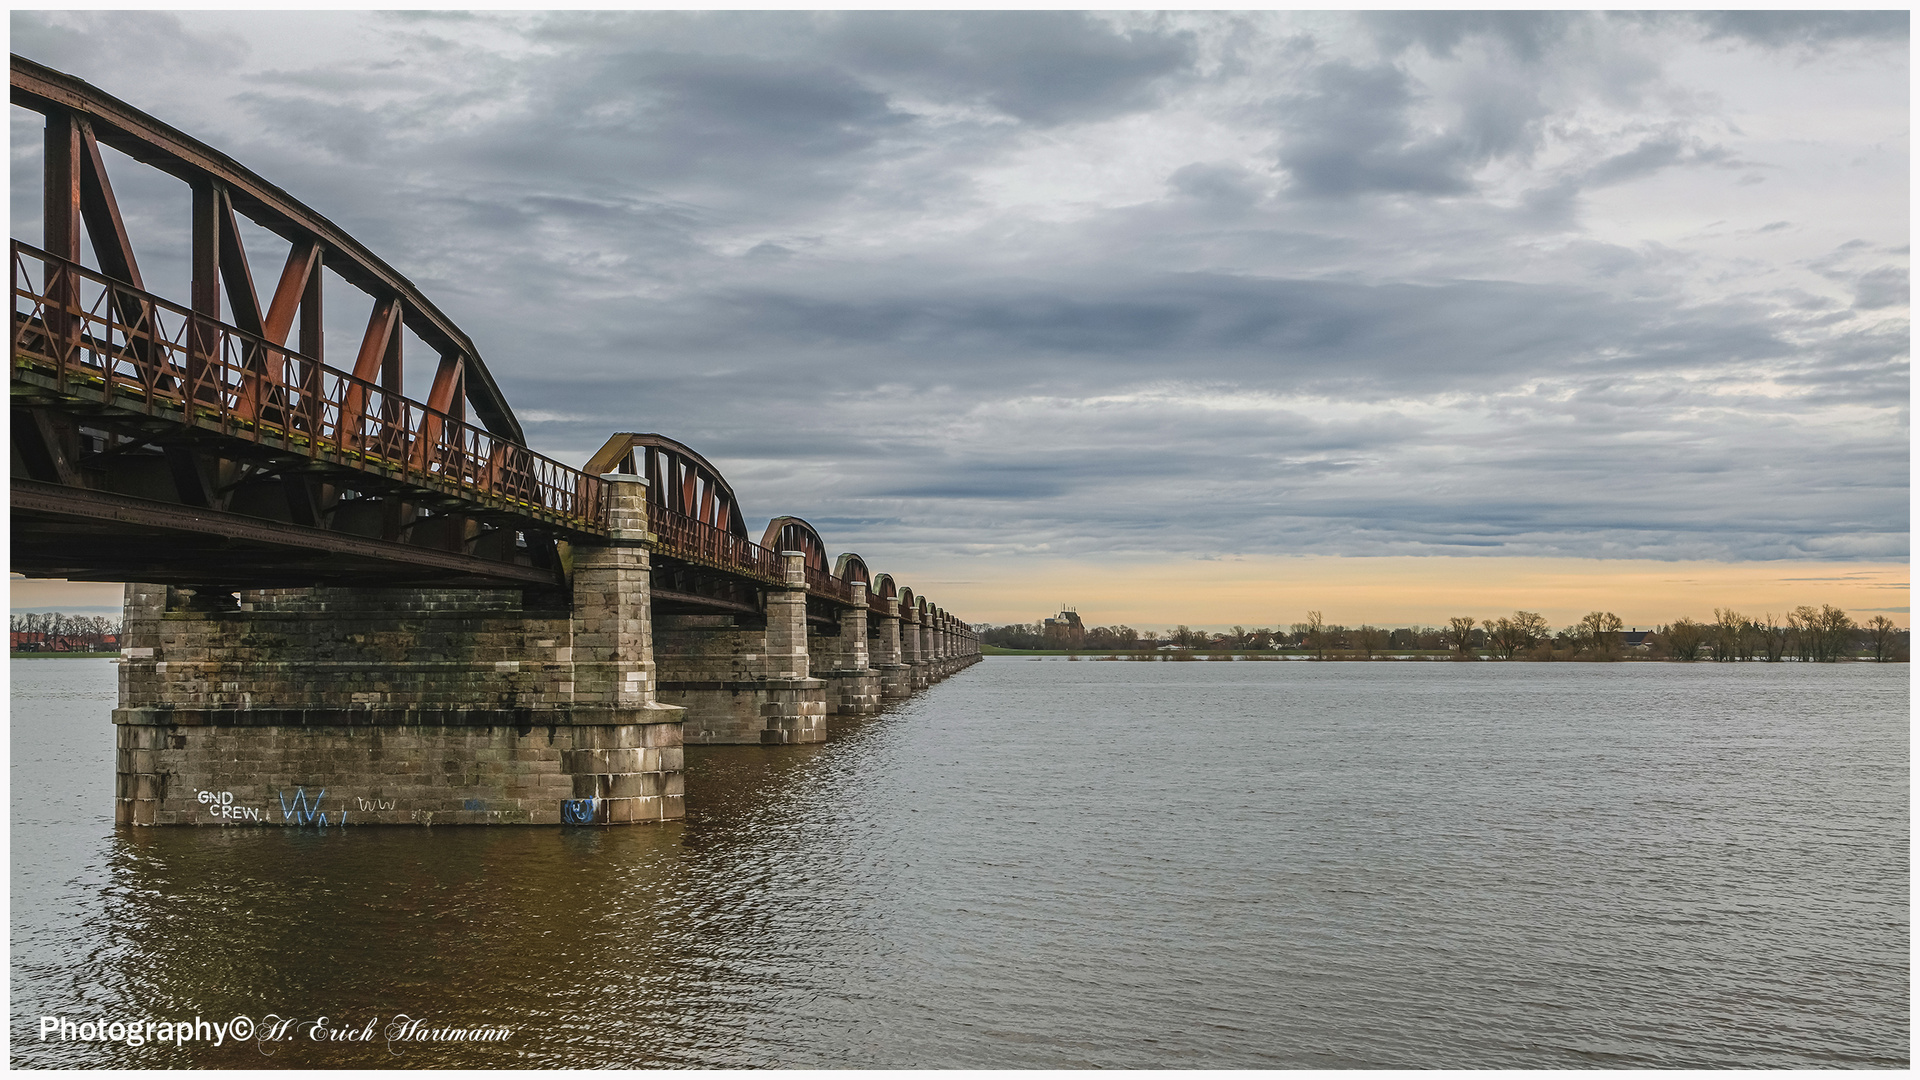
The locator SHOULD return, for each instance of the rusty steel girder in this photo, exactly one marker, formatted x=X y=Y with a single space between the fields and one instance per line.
x=80 y=117
x=210 y=442
x=219 y=418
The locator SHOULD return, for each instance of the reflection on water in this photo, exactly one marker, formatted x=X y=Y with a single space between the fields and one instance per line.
x=1052 y=864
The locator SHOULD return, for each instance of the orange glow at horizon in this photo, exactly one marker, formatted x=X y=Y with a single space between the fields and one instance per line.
x=1393 y=591
x=1277 y=591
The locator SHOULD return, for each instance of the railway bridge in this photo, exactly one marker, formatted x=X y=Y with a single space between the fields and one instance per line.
x=357 y=595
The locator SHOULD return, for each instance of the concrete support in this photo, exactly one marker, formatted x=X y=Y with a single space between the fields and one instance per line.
x=744 y=680
x=614 y=675
x=402 y=706
x=910 y=650
x=896 y=675
x=853 y=686
x=468 y=706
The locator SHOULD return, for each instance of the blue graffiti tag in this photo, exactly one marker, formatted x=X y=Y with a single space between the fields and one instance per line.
x=305 y=813
x=577 y=811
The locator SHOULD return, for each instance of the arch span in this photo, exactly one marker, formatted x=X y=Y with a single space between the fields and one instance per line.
x=787 y=533
x=81 y=118
x=851 y=568
x=679 y=480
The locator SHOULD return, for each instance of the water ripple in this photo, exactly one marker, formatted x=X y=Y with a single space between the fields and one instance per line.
x=1065 y=865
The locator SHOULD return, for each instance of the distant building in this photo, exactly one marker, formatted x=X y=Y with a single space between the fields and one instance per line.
x=41 y=641
x=1064 y=631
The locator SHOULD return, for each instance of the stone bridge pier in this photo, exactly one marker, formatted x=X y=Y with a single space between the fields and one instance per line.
x=402 y=705
x=375 y=608
x=853 y=685
x=743 y=679
x=896 y=673
x=911 y=650
x=437 y=706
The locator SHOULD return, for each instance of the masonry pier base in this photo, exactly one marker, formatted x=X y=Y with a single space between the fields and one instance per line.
x=451 y=706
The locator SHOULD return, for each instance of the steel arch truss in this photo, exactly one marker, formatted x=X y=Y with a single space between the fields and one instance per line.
x=141 y=422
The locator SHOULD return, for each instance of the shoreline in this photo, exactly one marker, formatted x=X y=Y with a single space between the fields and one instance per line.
x=64 y=656
x=1417 y=657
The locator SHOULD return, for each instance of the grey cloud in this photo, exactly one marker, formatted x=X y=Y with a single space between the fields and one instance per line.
x=124 y=48
x=1882 y=288
x=1350 y=135
x=346 y=132
x=716 y=225
x=730 y=131
x=728 y=106
x=1526 y=34
x=1042 y=67
x=1783 y=28
x=1321 y=336
x=1225 y=187
x=1652 y=155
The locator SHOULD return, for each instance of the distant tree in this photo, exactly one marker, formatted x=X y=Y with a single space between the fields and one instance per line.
x=1501 y=638
x=1313 y=634
x=1836 y=633
x=1774 y=638
x=1683 y=639
x=1518 y=633
x=1531 y=626
x=1723 y=634
x=1750 y=639
x=1013 y=636
x=1460 y=635
x=1370 y=639
x=1600 y=632
x=1803 y=623
x=1574 y=638
x=1881 y=635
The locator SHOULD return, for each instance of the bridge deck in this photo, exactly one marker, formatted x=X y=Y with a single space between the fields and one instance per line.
x=162 y=441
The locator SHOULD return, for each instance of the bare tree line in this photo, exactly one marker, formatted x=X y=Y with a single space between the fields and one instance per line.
x=1820 y=635
x=58 y=631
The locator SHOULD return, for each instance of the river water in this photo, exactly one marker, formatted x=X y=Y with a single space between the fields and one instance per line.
x=1057 y=864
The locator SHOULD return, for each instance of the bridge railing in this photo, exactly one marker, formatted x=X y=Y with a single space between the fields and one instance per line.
x=692 y=540
x=131 y=349
x=822 y=583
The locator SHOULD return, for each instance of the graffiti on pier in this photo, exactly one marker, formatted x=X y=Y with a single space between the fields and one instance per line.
x=366 y=805
x=577 y=811
x=301 y=812
x=220 y=805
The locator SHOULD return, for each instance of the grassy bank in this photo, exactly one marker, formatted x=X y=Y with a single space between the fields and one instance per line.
x=1255 y=654
x=65 y=655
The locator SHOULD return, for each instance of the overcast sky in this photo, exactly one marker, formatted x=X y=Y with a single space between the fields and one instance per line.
x=1132 y=287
